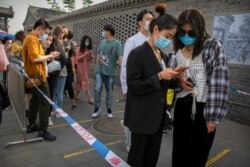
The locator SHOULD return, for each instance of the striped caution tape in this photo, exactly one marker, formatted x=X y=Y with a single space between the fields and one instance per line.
x=106 y=153
x=236 y=90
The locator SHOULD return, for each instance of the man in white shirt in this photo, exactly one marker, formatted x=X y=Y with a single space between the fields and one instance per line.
x=143 y=20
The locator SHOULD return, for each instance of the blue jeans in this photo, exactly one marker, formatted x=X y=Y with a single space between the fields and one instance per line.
x=58 y=90
x=108 y=82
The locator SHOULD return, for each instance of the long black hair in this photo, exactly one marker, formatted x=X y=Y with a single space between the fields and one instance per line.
x=82 y=45
x=197 y=22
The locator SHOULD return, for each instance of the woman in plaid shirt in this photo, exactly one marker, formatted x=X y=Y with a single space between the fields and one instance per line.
x=202 y=102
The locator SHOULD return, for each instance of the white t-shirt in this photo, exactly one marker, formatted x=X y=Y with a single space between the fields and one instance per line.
x=131 y=43
x=197 y=73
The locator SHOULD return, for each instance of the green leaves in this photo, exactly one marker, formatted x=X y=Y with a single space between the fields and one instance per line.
x=68 y=4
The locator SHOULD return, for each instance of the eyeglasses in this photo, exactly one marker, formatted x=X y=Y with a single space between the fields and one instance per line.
x=190 y=33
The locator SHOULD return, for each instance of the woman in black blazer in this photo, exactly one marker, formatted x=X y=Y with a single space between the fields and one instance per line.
x=147 y=80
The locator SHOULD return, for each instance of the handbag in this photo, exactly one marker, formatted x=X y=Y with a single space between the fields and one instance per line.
x=33 y=81
x=4 y=94
x=54 y=66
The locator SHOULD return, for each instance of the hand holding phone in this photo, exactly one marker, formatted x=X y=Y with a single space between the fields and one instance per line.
x=191 y=81
x=181 y=69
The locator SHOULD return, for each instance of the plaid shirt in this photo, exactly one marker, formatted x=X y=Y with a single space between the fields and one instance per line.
x=217 y=71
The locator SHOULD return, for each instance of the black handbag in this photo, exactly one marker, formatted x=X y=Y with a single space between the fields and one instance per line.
x=4 y=94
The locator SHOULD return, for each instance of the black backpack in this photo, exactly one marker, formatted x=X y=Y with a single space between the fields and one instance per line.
x=4 y=94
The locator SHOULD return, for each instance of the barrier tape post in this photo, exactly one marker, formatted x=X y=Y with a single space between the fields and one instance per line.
x=107 y=154
x=236 y=90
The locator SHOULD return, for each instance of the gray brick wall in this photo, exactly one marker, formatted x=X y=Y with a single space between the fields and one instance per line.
x=122 y=14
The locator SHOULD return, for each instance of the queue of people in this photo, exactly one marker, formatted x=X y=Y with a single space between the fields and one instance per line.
x=200 y=74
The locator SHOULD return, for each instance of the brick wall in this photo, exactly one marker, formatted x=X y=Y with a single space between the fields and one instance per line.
x=122 y=14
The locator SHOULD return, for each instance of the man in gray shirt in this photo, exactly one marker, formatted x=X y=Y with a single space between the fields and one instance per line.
x=110 y=51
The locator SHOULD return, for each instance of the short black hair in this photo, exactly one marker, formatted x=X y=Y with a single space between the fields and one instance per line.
x=5 y=40
x=42 y=22
x=19 y=35
x=110 y=28
x=140 y=15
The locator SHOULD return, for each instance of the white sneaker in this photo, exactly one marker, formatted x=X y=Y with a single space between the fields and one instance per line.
x=122 y=122
x=127 y=148
x=96 y=113
x=50 y=122
x=110 y=115
x=58 y=115
x=53 y=112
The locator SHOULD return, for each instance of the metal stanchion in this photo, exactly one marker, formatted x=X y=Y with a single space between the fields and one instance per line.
x=15 y=84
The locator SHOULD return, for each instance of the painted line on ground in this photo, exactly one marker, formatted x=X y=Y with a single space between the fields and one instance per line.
x=217 y=157
x=88 y=150
x=83 y=121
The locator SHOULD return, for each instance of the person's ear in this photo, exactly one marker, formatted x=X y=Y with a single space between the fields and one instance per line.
x=140 y=23
x=155 y=30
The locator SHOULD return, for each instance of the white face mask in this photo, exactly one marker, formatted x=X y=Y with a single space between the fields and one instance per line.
x=86 y=44
x=45 y=46
x=146 y=25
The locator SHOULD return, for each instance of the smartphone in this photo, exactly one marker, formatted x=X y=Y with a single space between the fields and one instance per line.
x=191 y=81
x=181 y=69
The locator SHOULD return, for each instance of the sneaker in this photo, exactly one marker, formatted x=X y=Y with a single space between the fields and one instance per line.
x=58 y=115
x=74 y=107
x=110 y=115
x=50 y=122
x=127 y=148
x=46 y=136
x=96 y=113
x=164 y=132
x=53 y=113
x=32 y=128
x=122 y=122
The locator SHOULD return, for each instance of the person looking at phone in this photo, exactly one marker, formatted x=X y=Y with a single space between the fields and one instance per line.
x=147 y=81
x=202 y=103
x=34 y=60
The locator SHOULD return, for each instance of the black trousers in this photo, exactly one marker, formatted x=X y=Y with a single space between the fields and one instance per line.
x=1 y=106
x=38 y=104
x=69 y=86
x=191 y=142
x=145 y=149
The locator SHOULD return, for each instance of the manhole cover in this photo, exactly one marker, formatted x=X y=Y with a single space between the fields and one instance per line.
x=109 y=126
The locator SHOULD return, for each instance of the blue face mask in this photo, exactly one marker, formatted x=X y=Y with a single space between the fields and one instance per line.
x=103 y=34
x=162 y=43
x=43 y=37
x=187 y=40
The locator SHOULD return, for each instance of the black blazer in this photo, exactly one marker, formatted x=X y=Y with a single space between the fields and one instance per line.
x=146 y=96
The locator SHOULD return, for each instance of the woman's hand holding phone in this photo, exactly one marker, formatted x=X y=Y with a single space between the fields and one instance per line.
x=168 y=74
x=181 y=69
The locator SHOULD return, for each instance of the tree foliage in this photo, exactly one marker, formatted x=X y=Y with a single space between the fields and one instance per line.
x=68 y=4
x=87 y=3
x=55 y=6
